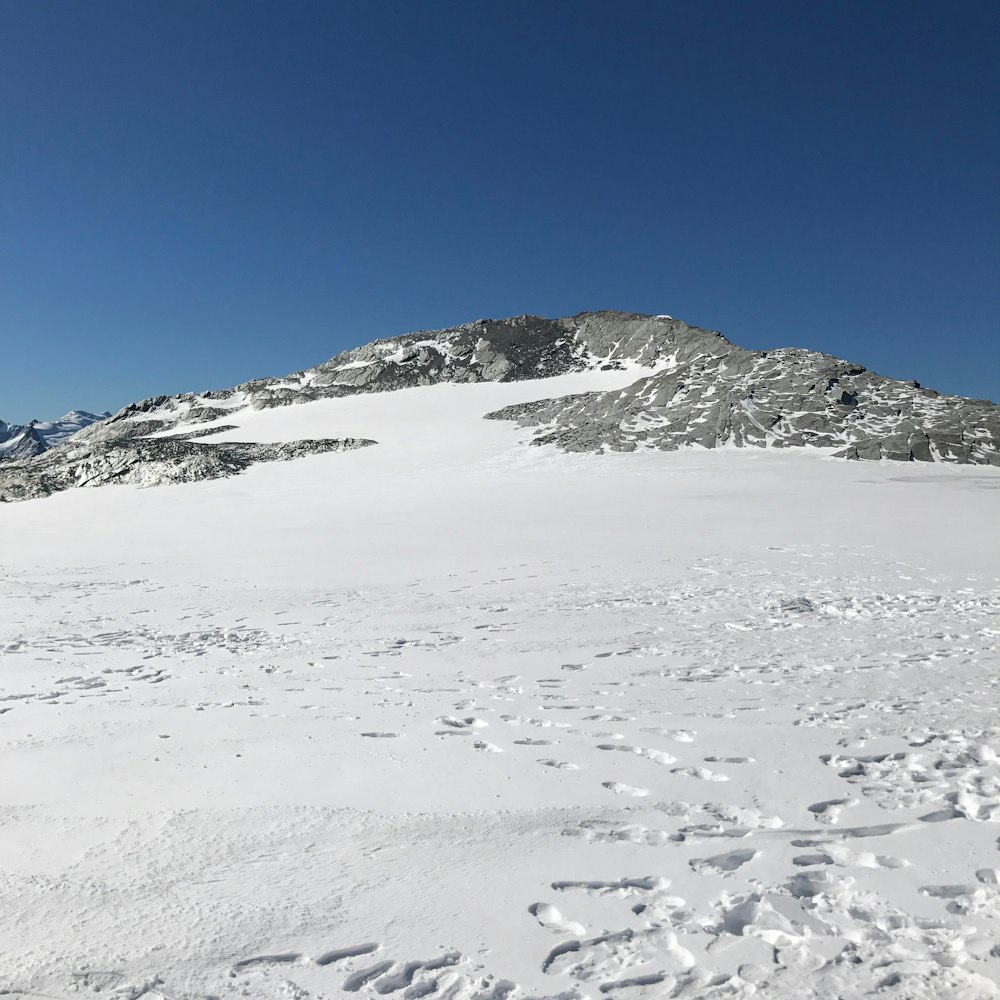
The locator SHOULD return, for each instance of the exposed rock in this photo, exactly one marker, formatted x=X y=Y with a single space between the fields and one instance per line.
x=784 y=398
x=29 y=443
x=149 y=462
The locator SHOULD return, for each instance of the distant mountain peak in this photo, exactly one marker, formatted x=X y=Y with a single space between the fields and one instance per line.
x=19 y=441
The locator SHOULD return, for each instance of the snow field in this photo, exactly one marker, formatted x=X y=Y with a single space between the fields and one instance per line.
x=452 y=718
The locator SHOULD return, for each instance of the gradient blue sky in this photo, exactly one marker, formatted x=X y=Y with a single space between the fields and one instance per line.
x=197 y=193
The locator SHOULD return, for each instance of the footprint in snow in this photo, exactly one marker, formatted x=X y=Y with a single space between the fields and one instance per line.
x=829 y=810
x=701 y=773
x=620 y=887
x=470 y=722
x=722 y=863
x=619 y=788
x=282 y=958
x=657 y=756
x=342 y=954
x=678 y=735
x=354 y=982
x=550 y=917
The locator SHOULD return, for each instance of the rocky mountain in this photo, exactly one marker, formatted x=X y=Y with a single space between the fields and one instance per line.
x=771 y=399
x=693 y=388
x=19 y=441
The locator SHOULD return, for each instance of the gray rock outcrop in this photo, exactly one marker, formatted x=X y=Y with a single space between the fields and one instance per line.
x=771 y=399
x=149 y=462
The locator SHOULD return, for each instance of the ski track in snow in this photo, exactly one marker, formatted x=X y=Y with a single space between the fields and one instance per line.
x=710 y=770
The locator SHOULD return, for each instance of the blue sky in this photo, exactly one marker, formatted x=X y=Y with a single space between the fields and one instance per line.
x=193 y=194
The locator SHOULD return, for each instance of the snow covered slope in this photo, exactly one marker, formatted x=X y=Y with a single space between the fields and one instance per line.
x=685 y=387
x=452 y=717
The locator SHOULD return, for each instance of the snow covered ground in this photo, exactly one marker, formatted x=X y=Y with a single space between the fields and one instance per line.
x=451 y=717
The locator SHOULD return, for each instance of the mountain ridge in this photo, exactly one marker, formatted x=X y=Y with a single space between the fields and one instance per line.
x=694 y=389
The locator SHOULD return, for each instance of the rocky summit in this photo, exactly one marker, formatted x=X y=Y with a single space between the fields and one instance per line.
x=693 y=388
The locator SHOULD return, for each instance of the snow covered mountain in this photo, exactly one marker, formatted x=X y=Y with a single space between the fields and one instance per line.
x=688 y=387
x=19 y=441
x=456 y=718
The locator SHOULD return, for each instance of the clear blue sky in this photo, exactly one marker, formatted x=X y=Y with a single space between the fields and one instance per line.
x=197 y=193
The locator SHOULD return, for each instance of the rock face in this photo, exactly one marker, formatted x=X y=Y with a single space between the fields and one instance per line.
x=510 y=350
x=141 y=462
x=771 y=399
x=693 y=388
x=27 y=443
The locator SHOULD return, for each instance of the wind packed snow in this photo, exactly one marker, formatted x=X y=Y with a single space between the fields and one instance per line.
x=455 y=717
